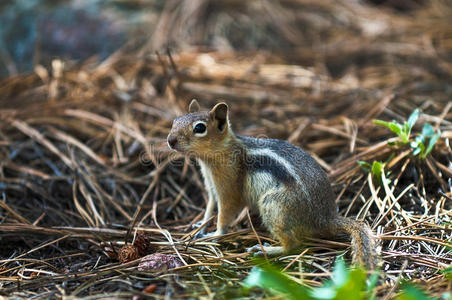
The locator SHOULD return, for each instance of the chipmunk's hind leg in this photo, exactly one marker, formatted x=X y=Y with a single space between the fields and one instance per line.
x=259 y=250
x=287 y=246
x=279 y=220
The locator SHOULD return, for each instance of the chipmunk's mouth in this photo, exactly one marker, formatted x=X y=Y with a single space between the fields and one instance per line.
x=174 y=144
x=177 y=148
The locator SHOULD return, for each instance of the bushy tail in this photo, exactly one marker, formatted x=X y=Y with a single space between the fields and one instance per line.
x=363 y=242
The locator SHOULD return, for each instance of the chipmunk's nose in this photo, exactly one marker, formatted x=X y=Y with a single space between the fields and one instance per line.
x=172 y=141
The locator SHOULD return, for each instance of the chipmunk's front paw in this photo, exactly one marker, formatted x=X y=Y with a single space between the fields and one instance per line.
x=202 y=234
x=197 y=224
x=256 y=250
x=212 y=234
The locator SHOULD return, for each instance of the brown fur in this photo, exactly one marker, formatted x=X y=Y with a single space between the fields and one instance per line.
x=228 y=181
x=363 y=245
x=287 y=216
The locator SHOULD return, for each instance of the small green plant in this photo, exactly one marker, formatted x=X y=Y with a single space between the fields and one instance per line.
x=274 y=281
x=377 y=169
x=423 y=143
x=411 y=292
x=402 y=130
x=420 y=141
x=345 y=283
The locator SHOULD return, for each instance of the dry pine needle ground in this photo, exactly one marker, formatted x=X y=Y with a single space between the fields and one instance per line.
x=84 y=164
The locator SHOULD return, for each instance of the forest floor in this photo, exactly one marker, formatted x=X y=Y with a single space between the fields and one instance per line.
x=86 y=177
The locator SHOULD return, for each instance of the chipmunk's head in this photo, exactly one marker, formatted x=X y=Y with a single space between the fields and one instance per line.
x=199 y=132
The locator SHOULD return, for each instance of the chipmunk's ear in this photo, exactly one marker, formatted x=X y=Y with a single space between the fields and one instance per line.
x=220 y=113
x=194 y=106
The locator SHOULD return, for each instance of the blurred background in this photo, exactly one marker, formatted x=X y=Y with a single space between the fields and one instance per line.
x=35 y=31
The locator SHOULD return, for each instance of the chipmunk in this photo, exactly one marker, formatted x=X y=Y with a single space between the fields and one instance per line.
x=287 y=186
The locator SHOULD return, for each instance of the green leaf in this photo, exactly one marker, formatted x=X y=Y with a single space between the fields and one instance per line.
x=411 y=292
x=427 y=130
x=418 y=145
x=432 y=143
x=396 y=128
x=382 y=123
x=326 y=292
x=412 y=120
x=377 y=169
x=420 y=139
x=276 y=282
x=364 y=165
x=355 y=286
x=402 y=131
x=393 y=126
x=447 y=272
x=417 y=151
x=340 y=272
x=371 y=285
x=344 y=284
x=406 y=130
x=446 y=295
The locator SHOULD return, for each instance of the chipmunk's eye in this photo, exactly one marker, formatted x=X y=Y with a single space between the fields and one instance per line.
x=200 y=129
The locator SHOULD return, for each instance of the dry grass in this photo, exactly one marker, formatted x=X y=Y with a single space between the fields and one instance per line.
x=85 y=166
